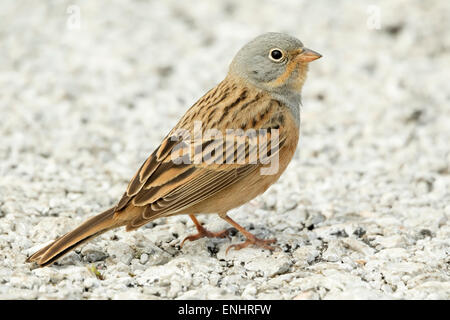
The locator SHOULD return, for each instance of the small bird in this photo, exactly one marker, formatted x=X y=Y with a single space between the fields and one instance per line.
x=196 y=169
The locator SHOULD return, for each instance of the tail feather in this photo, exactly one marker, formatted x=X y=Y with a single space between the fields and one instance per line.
x=90 y=229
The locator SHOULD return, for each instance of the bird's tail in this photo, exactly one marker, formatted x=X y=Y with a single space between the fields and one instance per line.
x=85 y=232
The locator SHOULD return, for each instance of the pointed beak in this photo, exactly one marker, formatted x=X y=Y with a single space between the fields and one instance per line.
x=308 y=55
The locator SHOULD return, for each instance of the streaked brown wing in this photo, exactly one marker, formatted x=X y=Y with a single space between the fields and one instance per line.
x=163 y=186
x=172 y=187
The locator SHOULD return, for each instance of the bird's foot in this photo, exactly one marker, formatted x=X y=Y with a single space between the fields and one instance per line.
x=202 y=233
x=252 y=240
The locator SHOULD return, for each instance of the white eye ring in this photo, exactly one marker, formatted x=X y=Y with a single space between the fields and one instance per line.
x=276 y=55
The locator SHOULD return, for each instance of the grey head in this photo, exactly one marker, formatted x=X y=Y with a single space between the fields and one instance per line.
x=275 y=62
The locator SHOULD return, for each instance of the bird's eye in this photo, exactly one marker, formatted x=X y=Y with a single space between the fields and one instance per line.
x=276 y=55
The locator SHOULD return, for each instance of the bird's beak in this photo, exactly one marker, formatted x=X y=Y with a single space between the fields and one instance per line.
x=308 y=55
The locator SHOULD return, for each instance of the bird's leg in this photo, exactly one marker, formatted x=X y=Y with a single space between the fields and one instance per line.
x=251 y=239
x=202 y=232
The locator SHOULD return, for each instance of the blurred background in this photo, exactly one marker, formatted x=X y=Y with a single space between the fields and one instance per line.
x=89 y=88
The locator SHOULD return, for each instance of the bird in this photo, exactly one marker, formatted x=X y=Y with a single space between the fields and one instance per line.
x=201 y=169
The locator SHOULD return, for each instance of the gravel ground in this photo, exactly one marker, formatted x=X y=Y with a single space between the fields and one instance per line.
x=361 y=212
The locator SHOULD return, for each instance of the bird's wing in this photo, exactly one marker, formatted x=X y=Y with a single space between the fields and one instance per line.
x=169 y=181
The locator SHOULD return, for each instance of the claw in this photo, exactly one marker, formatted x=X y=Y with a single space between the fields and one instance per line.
x=208 y=234
x=254 y=241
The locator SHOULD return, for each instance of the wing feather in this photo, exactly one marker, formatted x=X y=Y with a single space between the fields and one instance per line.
x=164 y=186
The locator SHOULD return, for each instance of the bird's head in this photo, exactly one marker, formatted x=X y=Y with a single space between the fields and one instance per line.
x=274 y=62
